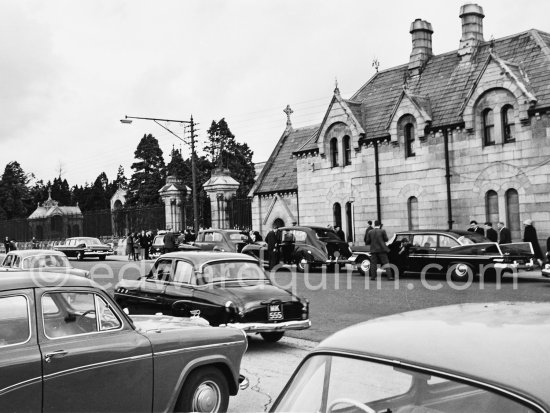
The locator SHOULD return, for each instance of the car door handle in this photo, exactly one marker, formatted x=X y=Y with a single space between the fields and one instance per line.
x=55 y=355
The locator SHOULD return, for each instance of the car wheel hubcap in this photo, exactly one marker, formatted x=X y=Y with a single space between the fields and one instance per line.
x=206 y=397
x=365 y=265
x=461 y=270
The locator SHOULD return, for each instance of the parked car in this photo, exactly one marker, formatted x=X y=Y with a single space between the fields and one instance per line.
x=459 y=358
x=81 y=247
x=230 y=240
x=311 y=247
x=65 y=345
x=227 y=289
x=461 y=253
x=40 y=260
x=157 y=247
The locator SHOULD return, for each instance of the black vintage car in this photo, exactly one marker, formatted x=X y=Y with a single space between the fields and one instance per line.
x=157 y=246
x=310 y=246
x=81 y=247
x=230 y=240
x=462 y=254
x=227 y=289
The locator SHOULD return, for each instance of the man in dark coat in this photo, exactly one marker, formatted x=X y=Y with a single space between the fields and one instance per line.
x=7 y=244
x=504 y=234
x=377 y=239
x=476 y=228
x=369 y=229
x=169 y=242
x=530 y=235
x=144 y=244
x=340 y=233
x=490 y=233
x=271 y=240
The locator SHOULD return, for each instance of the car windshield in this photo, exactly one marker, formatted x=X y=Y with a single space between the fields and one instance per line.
x=326 y=234
x=92 y=241
x=238 y=237
x=45 y=261
x=326 y=383
x=159 y=240
x=232 y=270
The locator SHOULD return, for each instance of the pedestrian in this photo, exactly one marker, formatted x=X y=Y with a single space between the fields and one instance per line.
x=13 y=245
x=130 y=246
x=35 y=244
x=504 y=234
x=271 y=240
x=288 y=246
x=377 y=239
x=474 y=227
x=369 y=229
x=144 y=244
x=490 y=233
x=7 y=244
x=169 y=241
x=530 y=235
x=340 y=233
x=137 y=248
x=256 y=236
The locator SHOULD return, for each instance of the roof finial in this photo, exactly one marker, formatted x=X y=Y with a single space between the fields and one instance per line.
x=288 y=112
x=49 y=193
x=375 y=64
x=336 y=90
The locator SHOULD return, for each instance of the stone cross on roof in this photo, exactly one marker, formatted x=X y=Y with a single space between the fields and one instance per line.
x=288 y=112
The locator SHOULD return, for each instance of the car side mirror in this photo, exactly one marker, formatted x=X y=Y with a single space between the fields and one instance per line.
x=181 y=309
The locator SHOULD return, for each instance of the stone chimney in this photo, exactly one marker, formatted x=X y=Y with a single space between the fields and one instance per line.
x=421 y=32
x=472 y=29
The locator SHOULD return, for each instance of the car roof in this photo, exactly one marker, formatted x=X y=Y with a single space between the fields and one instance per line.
x=496 y=343
x=27 y=253
x=459 y=232
x=82 y=238
x=199 y=258
x=240 y=231
x=38 y=279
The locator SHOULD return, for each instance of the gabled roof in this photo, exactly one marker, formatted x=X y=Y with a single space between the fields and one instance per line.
x=279 y=173
x=446 y=81
x=46 y=212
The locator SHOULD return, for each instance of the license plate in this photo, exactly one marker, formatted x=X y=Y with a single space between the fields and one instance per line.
x=274 y=312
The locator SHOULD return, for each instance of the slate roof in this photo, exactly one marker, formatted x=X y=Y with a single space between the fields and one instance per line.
x=441 y=89
x=279 y=173
x=46 y=212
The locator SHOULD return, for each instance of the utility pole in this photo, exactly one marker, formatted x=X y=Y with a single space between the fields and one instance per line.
x=194 y=178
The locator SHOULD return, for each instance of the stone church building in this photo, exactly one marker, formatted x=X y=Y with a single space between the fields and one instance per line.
x=433 y=143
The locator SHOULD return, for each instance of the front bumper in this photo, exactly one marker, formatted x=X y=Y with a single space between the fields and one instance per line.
x=270 y=327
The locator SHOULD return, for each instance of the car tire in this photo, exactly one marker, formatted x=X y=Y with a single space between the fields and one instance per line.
x=363 y=265
x=205 y=390
x=461 y=272
x=273 y=337
x=80 y=256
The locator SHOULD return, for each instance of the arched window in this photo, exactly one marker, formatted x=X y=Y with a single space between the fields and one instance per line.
x=349 y=221
x=347 y=150
x=507 y=117
x=337 y=213
x=412 y=210
x=334 y=152
x=512 y=213
x=488 y=128
x=491 y=207
x=409 y=140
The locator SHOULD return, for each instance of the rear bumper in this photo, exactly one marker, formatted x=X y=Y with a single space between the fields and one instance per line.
x=515 y=265
x=270 y=327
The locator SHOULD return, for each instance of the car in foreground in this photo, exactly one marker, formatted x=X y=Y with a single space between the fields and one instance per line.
x=229 y=240
x=461 y=254
x=85 y=247
x=227 y=289
x=65 y=345
x=311 y=247
x=40 y=260
x=459 y=358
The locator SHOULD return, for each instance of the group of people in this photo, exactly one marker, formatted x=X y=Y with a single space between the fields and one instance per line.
x=138 y=245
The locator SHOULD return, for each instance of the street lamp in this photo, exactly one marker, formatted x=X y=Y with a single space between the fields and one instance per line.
x=128 y=119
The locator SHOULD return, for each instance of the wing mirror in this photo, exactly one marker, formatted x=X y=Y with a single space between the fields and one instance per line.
x=181 y=309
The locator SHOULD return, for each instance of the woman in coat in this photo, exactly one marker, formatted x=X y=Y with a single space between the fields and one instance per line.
x=130 y=246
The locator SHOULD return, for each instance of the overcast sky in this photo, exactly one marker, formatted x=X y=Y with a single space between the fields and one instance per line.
x=71 y=69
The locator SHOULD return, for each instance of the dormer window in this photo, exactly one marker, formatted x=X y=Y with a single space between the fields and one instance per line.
x=488 y=128
x=334 y=152
x=347 y=150
x=507 y=117
x=409 y=140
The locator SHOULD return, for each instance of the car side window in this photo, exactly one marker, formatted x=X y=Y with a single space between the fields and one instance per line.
x=75 y=314
x=7 y=261
x=162 y=270
x=183 y=272
x=15 y=262
x=14 y=324
x=108 y=320
x=217 y=237
x=208 y=237
x=300 y=236
x=447 y=242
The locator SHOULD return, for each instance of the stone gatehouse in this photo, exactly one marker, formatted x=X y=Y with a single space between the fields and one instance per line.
x=436 y=142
